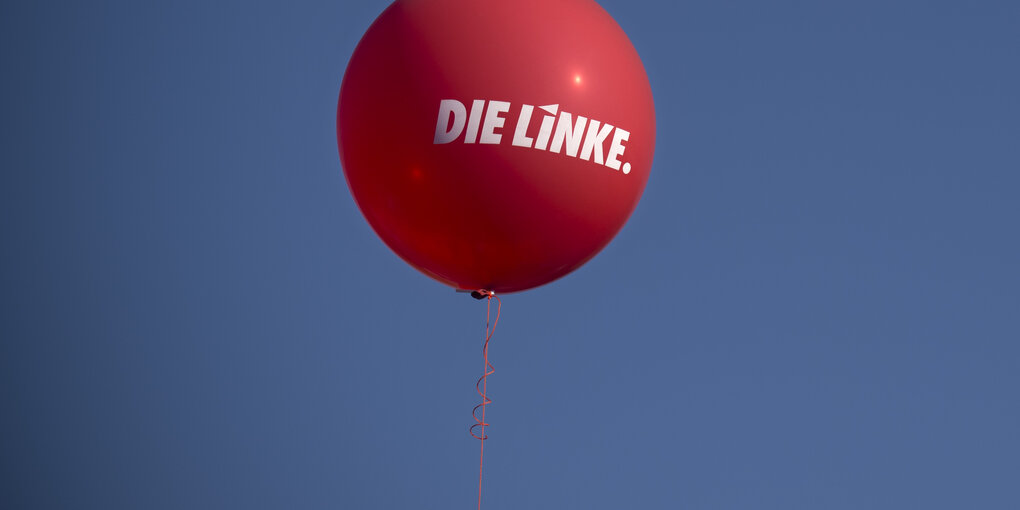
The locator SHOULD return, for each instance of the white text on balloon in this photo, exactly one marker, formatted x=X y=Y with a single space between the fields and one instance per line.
x=564 y=131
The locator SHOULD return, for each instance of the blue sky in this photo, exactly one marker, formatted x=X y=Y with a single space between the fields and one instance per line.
x=815 y=305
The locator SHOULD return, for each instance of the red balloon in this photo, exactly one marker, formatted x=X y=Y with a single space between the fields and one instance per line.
x=496 y=144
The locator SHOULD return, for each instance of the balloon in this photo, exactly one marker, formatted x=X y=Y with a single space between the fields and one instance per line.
x=495 y=144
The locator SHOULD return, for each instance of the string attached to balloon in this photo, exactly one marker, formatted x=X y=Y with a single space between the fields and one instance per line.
x=481 y=384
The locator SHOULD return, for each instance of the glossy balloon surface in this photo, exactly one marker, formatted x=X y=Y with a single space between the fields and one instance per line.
x=509 y=215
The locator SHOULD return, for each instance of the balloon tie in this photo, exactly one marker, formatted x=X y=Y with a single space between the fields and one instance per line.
x=480 y=386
